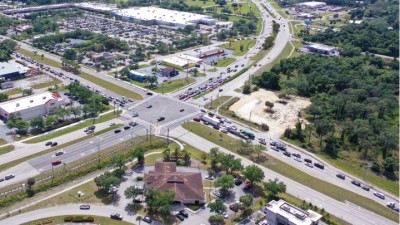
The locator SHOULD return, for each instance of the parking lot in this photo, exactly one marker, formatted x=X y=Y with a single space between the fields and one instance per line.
x=157 y=107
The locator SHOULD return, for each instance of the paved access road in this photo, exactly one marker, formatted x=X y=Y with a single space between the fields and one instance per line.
x=346 y=211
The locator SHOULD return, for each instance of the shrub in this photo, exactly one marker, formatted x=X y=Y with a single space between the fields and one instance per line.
x=264 y=127
x=139 y=178
x=78 y=219
x=68 y=219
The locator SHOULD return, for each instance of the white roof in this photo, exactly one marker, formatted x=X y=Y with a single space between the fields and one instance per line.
x=190 y=58
x=322 y=47
x=98 y=6
x=312 y=4
x=294 y=214
x=28 y=102
x=12 y=67
x=176 y=61
x=160 y=14
x=136 y=73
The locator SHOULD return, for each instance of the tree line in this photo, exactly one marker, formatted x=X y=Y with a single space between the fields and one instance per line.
x=354 y=104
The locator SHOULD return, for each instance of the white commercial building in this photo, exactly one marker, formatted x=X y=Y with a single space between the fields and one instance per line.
x=311 y=5
x=283 y=213
x=323 y=49
x=32 y=106
x=163 y=17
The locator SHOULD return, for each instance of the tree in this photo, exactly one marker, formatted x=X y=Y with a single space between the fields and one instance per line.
x=217 y=206
x=37 y=123
x=241 y=48
x=269 y=80
x=274 y=187
x=50 y=121
x=22 y=126
x=186 y=157
x=253 y=173
x=138 y=153
x=216 y=219
x=76 y=111
x=61 y=113
x=204 y=157
x=225 y=182
x=152 y=80
x=195 y=71
x=131 y=192
x=139 y=218
x=104 y=181
x=322 y=128
x=28 y=91
x=390 y=165
x=270 y=105
x=31 y=181
x=3 y=97
x=119 y=162
x=159 y=201
x=70 y=54
x=246 y=200
x=167 y=154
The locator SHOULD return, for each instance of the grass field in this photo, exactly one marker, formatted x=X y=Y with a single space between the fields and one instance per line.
x=105 y=84
x=60 y=220
x=47 y=84
x=166 y=87
x=217 y=102
x=6 y=149
x=225 y=62
x=278 y=9
x=293 y=173
x=235 y=46
x=2 y=141
x=13 y=92
x=104 y=118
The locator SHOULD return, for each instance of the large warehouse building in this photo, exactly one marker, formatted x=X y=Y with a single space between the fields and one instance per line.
x=32 y=106
x=163 y=17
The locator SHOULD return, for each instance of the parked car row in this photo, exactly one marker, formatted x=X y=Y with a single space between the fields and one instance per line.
x=7 y=177
x=212 y=84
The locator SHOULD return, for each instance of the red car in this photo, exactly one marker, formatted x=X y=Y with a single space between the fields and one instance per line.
x=196 y=119
x=234 y=207
x=247 y=185
x=55 y=163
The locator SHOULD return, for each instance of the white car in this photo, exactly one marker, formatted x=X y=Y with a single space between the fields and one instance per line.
x=297 y=159
x=379 y=195
x=112 y=124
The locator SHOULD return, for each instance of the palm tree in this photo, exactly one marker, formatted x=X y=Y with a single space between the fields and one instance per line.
x=167 y=154
x=258 y=149
x=176 y=153
x=186 y=156
x=139 y=218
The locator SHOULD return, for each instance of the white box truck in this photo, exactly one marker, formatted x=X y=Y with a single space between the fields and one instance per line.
x=210 y=120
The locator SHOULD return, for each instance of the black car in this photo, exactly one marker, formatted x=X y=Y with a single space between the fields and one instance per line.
x=296 y=155
x=356 y=182
x=308 y=160
x=149 y=106
x=183 y=213
x=367 y=188
x=147 y=219
x=126 y=127
x=287 y=154
x=180 y=217
x=116 y=216
x=54 y=144
x=132 y=124
x=117 y=131
x=319 y=165
x=238 y=182
x=149 y=93
x=84 y=207
x=1 y=179
x=161 y=119
x=48 y=143
x=341 y=176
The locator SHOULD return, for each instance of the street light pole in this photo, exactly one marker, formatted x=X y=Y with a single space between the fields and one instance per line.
x=168 y=136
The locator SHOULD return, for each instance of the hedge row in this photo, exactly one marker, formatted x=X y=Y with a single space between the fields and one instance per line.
x=79 y=219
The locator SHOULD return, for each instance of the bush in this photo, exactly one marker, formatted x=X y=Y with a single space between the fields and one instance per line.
x=264 y=127
x=139 y=178
x=78 y=219
x=68 y=219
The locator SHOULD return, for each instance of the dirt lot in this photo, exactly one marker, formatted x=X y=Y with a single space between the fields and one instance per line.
x=283 y=115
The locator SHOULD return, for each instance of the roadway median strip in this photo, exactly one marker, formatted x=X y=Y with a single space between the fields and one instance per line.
x=290 y=172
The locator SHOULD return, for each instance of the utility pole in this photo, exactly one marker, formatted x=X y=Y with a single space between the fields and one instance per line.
x=98 y=152
x=250 y=119
x=211 y=103
x=52 y=172
x=168 y=136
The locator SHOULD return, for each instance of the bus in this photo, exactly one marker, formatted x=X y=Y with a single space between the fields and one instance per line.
x=248 y=134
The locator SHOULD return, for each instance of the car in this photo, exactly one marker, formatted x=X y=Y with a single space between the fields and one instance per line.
x=180 y=217
x=48 y=143
x=181 y=110
x=356 y=182
x=117 y=131
x=1 y=179
x=55 y=163
x=84 y=207
x=9 y=176
x=297 y=155
x=116 y=216
x=208 y=177
x=364 y=187
x=59 y=153
x=263 y=142
x=297 y=159
x=184 y=213
x=221 y=90
x=379 y=195
x=132 y=124
x=238 y=181
x=287 y=154
x=112 y=124
x=319 y=165
x=307 y=160
x=247 y=185
x=149 y=106
x=135 y=114
x=161 y=119
x=393 y=206
x=309 y=165
x=196 y=119
x=147 y=219
x=217 y=194
x=149 y=93
x=225 y=131
x=127 y=127
x=234 y=207
x=341 y=176
x=54 y=144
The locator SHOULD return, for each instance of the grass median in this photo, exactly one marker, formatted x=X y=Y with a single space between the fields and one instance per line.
x=105 y=84
x=6 y=149
x=293 y=173
x=217 y=102
x=26 y=158
x=104 y=118
x=225 y=62
x=168 y=86
x=60 y=220
x=239 y=48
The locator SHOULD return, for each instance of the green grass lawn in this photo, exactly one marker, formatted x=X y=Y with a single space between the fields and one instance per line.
x=13 y=92
x=293 y=173
x=2 y=141
x=278 y=9
x=217 y=102
x=60 y=219
x=225 y=62
x=212 y=70
x=141 y=66
x=284 y=54
x=47 y=84
x=235 y=46
x=105 y=84
x=6 y=149
x=104 y=118
x=168 y=86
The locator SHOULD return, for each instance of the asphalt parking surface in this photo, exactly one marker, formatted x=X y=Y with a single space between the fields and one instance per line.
x=163 y=107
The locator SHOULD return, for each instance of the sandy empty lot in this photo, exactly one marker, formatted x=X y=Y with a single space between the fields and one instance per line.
x=283 y=116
